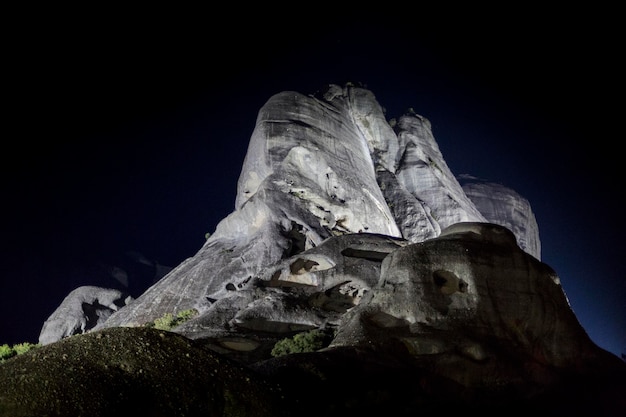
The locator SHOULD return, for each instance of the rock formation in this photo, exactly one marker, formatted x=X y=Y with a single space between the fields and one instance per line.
x=82 y=310
x=504 y=206
x=316 y=167
x=354 y=225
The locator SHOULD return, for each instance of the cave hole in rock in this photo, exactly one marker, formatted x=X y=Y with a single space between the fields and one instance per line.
x=300 y=266
x=339 y=298
x=448 y=283
x=94 y=313
x=297 y=239
x=370 y=255
x=244 y=282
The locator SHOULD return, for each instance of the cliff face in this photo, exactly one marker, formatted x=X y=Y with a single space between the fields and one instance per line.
x=317 y=167
x=354 y=226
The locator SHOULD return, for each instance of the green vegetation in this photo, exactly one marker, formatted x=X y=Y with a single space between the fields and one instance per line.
x=7 y=351
x=168 y=321
x=309 y=341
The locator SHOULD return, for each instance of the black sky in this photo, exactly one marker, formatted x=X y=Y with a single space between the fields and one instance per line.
x=128 y=132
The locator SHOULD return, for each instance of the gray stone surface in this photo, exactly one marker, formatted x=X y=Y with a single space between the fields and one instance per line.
x=310 y=290
x=316 y=167
x=329 y=191
x=82 y=309
x=471 y=291
x=504 y=206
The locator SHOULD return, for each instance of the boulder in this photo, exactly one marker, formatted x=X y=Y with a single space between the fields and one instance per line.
x=82 y=310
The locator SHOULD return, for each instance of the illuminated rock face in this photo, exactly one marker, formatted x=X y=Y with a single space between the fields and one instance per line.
x=469 y=292
x=82 y=310
x=328 y=188
x=504 y=206
x=353 y=225
x=316 y=167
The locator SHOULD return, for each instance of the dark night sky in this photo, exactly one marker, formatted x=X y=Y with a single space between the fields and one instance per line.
x=128 y=134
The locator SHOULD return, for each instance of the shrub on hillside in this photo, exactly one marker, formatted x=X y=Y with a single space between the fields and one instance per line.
x=168 y=321
x=7 y=351
x=309 y=341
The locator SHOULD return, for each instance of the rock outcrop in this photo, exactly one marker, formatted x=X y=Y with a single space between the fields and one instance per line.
x=82 y=310
x=316 y=167
x=473 y=295
x=504 y=206
x=354 y=225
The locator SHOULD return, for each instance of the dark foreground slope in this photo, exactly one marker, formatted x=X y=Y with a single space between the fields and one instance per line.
x=148 y=372
x=131 y=372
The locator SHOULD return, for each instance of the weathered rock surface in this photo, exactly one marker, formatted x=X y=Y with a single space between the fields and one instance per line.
x=310 y=290
x=316 y=167
x=350 y=224
x=474 y=294
x=82 y=310
x=504 y=206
